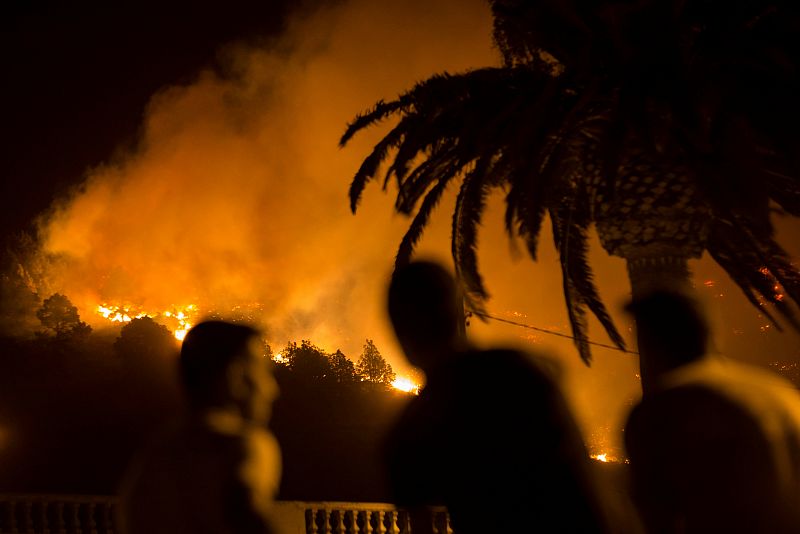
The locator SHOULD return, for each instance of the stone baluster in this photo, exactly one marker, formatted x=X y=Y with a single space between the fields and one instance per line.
x=43 y=510
x=27 y=516
x=90 y=514
x=381 y=524
x=12 y=517
x=107 y=523
x=439 y=522
x=327 y=525
x=393 y=526
x=352 y=519
x=406 y=524
x=75 y=517
x=61 y=524
x=368 y=522
x=339 y=526
x=311 y=521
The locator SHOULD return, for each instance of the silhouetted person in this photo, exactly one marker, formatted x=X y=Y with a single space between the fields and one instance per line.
x=217 y=471
x=715 y=447
x=490 y=436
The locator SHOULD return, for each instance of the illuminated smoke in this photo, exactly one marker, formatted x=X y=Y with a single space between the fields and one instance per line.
x=235 y=197
x=234 y=201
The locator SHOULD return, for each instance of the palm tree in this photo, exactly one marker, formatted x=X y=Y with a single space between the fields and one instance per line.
x=671 y=125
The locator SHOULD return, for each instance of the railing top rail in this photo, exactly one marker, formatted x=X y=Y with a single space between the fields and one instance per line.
x=56 y=497
x=341 y=505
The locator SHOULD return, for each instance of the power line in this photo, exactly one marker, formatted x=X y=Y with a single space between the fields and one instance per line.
x=551 y=332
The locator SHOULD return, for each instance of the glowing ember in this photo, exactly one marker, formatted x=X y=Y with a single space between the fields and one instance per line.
x=178 y=318
x=115 y=314
x=406 y=384
x=607 y=458
x=180 y=334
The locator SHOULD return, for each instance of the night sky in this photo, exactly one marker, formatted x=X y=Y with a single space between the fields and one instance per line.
x=76 y=79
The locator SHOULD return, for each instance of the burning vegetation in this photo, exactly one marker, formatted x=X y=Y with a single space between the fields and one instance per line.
x=180 y=318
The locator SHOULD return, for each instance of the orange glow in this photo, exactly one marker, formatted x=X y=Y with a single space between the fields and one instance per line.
x=179 y=318
x=180 y=334
x=405 y=384
x=608 y=458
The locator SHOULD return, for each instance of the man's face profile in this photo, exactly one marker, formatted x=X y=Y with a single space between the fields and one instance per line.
x=252 y=383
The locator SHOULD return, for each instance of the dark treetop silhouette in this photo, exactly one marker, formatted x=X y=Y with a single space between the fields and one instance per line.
x=671 y=125
x=490 y=435
x=218 y=471
x=715 y=447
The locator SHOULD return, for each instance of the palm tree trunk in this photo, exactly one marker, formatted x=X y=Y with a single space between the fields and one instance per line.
x=669 y=273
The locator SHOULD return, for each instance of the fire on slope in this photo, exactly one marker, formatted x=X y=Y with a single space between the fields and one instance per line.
x=182 y=318
x=179 y=318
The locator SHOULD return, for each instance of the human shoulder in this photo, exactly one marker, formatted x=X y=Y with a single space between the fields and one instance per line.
x=261 y=461
x=693 y=417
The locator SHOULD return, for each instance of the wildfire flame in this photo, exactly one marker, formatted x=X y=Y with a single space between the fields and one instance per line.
x=181 y=318
x=608 y=458
x=405 y=384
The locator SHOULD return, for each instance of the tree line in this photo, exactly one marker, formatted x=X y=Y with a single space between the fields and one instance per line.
x=143 y=337
x=310 y=363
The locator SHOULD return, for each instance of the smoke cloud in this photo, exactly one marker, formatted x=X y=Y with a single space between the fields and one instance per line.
x=235 y=196
x=236 y=193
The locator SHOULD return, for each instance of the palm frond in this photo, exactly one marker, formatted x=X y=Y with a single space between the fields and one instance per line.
x=525 y=211
x=470 y=204
x=417 y=226
x=784 y=190
x=442 y=165
x=369 y=167
x=755 y=272
x=426 y=140
x=781 y=267
x=379 y=112
x=775 y=268
x=708 y=86
x=745 y=272
x=571 y=239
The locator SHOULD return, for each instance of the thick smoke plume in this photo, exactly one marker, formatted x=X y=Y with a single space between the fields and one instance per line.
x=235 y=198
x=236 y=194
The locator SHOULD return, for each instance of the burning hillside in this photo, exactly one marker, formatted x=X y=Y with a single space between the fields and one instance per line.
x=180 y=319
x=235 y=192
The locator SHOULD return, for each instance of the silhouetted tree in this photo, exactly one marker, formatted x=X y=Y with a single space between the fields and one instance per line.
x=143 y=338
x=18 y=304
x=59 y=316
x=21 y=281
x=342 y=369
x=372 y=367
x=307 y=362
x=670 y=126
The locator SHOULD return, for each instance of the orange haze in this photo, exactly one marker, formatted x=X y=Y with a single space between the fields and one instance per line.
x=235 y=195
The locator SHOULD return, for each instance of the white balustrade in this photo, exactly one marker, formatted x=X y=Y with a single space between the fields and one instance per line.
x=56 y=514
x=78 y=514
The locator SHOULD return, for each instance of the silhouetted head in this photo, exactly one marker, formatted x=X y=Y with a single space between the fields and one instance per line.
x=425 y=312
x=673 y=325
x=223 y=366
